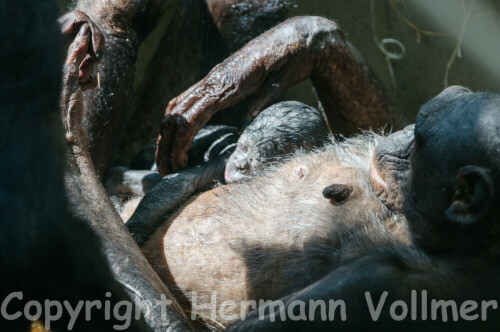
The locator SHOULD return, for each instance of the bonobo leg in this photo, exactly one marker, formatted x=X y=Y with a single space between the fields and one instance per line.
x=239 y=21
x=91 y=201
x=199 y=36
x=123 y=24
x=299 y=48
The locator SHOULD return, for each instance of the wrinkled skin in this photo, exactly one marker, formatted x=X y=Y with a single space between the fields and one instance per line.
x=303 y=47
x=123 y=23
x=280 y=130
x=390 y=167
x=90 y=201
x=414 y=192
x=448 y=176
x=123 y=114
x=70 y=26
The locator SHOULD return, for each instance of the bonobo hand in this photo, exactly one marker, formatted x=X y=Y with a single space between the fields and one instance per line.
x=263 y=69
x=78 y=72
x=72 y=25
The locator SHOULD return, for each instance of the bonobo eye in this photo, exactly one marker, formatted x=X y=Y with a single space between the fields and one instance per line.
x=337 y=193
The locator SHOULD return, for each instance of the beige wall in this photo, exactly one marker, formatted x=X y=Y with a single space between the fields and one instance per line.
x=420 y=74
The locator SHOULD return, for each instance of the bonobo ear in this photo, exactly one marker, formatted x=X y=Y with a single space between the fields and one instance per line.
x=473 y=196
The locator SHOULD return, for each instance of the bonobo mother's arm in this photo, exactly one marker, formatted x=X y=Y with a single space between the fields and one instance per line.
x=215 y=143
x=289 y=53
x=86 y=191
x=168 y=195
x=343 y=296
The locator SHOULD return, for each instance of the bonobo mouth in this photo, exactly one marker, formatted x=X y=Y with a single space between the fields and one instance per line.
x=232 y=175
x=390 y=166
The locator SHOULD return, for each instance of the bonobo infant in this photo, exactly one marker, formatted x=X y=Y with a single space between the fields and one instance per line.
x=276 y=133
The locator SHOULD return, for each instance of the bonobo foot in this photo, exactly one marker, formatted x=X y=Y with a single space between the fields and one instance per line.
x=72 y=94
x=90 y=42
x=78 y=72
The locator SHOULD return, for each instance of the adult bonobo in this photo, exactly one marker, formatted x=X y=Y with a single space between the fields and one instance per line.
x=65 y=263
x=447 y=176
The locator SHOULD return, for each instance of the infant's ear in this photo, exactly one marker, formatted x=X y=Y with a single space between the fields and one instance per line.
x=337 y=193
x=473 y=196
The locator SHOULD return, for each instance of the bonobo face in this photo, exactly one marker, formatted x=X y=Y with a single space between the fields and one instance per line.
x=390 y=169
x=444 y=174
x=278 y=131
x=248 y=157
x=419 y=151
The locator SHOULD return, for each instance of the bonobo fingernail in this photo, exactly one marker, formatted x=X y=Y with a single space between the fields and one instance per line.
x=337 y=193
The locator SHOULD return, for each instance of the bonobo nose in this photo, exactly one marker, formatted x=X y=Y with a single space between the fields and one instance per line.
x=407 y=134
x=242 y=164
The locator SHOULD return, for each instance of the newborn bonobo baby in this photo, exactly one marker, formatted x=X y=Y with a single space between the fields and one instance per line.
x=278 y=131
